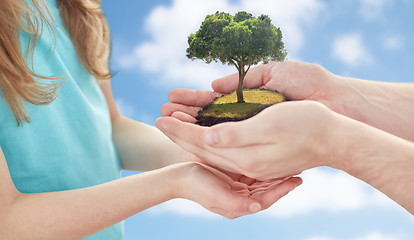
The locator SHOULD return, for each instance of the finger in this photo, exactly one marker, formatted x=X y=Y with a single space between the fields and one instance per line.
x=190 y=97
x=267 y=184
x=168 y=108
x=189 y=137
x=236 y=205
x=230 y=203
x=254 y=78
x=269 y=187
x=248 y=132
x=275 y=193
x=264 y=188
x=193 y=138
x=183 y=117
x=223 y=175
x=246 y=180
x=242 y=192
x=226 y=84
x=235 y=135
x=235 y=176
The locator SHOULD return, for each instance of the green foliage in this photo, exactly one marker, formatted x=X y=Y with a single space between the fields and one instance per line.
x=242 y=40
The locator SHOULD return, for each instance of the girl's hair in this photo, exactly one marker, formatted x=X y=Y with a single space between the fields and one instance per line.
x=88 y=29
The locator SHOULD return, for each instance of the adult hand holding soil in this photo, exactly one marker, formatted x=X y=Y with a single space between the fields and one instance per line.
x=384 y=105
x=282 y=140
x=295 y=80
x=374 y=156
x=290 y=137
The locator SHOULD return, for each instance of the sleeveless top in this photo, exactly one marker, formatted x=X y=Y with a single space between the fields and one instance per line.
x=68 y=143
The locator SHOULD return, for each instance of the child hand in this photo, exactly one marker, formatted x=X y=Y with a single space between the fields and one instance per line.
x=231 y=196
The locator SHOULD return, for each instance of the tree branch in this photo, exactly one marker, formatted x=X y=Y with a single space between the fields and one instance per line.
x=248 y=68
x=234 y=61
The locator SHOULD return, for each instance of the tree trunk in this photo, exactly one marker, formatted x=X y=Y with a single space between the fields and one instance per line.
x=239 y=90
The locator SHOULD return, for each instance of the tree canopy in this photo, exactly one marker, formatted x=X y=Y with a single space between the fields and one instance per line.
x=231 y=40
x=240 y=40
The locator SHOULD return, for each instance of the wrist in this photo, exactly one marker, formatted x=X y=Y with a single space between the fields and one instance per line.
x=169 y=181
x=180 y=178
x=346 y=98
x=342 y=143
x=328 y=141
x=357 y=148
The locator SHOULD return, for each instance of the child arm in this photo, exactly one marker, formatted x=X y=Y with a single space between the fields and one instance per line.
x=141 y=147
x=78 y=213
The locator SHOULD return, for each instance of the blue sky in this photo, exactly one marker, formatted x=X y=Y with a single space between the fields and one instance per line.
x=369 y=39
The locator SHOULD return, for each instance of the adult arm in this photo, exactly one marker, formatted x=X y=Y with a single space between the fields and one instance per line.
x=383 y=160
x=377 y=157
x=384 y=105
x=295 y=136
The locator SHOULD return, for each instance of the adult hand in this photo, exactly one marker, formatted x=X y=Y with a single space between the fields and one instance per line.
x=342 y=143
x=386 y=106
x=282 y=140
x=231 y=196
x=295 y=80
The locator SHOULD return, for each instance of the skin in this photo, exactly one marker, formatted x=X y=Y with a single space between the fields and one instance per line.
x=361 y=127
x=78 y=213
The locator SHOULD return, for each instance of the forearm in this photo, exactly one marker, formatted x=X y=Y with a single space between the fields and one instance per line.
x=384 y=105
x=142 y=147
x=78 y=213
x=382 y=160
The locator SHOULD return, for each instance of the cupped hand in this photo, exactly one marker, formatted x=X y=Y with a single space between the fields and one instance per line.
x=282 y=140
x=232 y=195
x=295 y=80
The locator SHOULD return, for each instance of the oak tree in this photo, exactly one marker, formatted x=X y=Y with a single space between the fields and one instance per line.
x=241 y=40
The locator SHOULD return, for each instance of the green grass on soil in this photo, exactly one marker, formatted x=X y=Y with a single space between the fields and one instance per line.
x=226 y=108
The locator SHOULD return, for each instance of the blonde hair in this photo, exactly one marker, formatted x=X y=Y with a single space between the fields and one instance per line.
x=89 y=31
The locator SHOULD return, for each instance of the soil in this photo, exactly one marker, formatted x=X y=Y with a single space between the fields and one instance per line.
x=226 y=108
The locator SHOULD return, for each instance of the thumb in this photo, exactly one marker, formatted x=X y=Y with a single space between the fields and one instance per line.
x=254 y=78
x=225 y=84
x=233 y=206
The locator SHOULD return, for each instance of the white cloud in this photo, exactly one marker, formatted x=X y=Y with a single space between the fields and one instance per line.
x=377 y=236
x=369 y=236
x=393 y=42
x=351 y=50
x=125 y=108
x=320 y=238
x=169 y=27
x=290 y=16
x=128 y=110
x=182 y=207
x=322 y=191
x=329 y=191
x=373 y=9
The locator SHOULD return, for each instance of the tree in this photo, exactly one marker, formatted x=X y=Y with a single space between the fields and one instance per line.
x=242 y=41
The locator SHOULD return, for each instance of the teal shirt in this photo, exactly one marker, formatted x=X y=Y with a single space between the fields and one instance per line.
x=68 y=143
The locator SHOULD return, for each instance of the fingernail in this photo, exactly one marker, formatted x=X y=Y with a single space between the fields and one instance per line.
x=211 y=137
x=161 y=127
x=254 y=207
x=298 y=184
x=295 y=186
